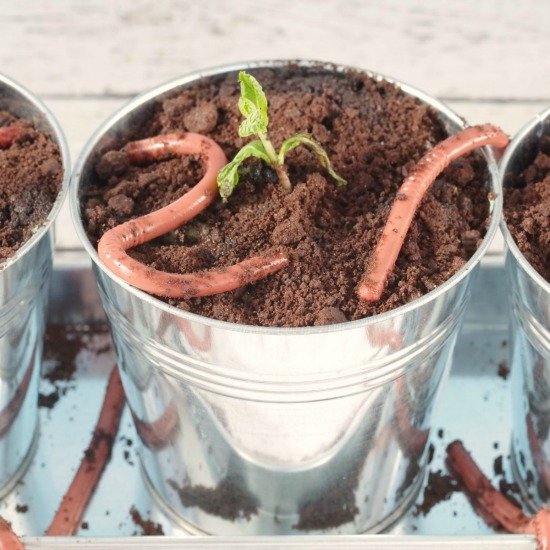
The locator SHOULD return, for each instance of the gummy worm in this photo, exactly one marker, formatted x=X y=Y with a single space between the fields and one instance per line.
x=491 y=504
x=410 y=195
x=8 y=134
x=8 y=539
x=68 y=517
x=113 y=245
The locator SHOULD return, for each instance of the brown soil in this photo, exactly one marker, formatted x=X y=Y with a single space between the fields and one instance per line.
x=62 y=345
x=148 y=527
x=30 y=180
x=373 y=133
x=440 y=487
x=228 y=500
x=503 y=370
x=527 y=209
x=64 y=342
x=334 y=508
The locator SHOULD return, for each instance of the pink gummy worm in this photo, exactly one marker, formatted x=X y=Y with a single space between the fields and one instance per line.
x=8 y=539
x=158 y=433
x=491 y=504
x=409 y=197
x=69 y=515
x=8 y=134
x=490 y=501
x=113 y=245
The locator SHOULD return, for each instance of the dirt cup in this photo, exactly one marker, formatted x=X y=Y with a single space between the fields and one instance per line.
x=529 y=306
x=250 y=430
x=24 y=288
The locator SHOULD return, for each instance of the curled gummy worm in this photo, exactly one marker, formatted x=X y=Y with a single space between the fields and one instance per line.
x=409 y=197
x=158 y=433
x=113 y=245
x=8 y=134
x=493 y=506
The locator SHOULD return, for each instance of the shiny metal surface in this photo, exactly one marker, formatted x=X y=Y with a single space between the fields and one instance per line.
x=66 y=428
x=329 y=423
x=24 y=282
x=530 y=335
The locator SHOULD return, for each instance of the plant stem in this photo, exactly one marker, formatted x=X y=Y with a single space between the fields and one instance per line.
x=279 y=169
x=269 y=149
x=283 y=177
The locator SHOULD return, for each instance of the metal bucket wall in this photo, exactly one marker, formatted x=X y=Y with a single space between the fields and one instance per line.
x=254 y=430
x=24 y=287
x=530 y=339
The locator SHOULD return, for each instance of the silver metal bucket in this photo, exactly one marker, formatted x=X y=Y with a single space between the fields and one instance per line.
x=256 y=430
x=529 y=339
x=24 y=288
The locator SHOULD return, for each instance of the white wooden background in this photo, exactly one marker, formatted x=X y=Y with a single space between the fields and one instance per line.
x=489 y=59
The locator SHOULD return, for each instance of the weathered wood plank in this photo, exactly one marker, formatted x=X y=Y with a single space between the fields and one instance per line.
x=469 y=49
x=80 y=118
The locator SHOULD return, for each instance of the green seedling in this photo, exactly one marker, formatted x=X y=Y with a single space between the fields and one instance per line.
x=253 y=107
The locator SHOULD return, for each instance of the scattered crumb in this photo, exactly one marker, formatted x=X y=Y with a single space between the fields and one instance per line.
x=440 y=487
x=431 y=452
x=148 y=527
x=497 y=466
x=128 y=457
x=503 y=370
x=49 y=400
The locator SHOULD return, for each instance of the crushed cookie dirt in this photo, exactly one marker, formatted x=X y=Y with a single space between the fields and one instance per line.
x=373 y=133
x=31 y=173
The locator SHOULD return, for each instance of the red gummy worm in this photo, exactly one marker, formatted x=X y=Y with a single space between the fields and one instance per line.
x=409 y=197
x=113 y=245
x=537 y=452
x=68 y=517
x=490 y=501
x=8 y=539
x=8 y=134
x=158 y=434
x=540 y=525
x=492 y=505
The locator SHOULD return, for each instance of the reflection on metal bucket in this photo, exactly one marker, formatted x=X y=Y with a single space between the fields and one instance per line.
x=529 y=339
x=254 y=430
x=24 y=282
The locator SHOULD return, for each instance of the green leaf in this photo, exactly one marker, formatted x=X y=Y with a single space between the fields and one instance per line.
x=305 y=139
x=253 y=106
x=228 y=176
